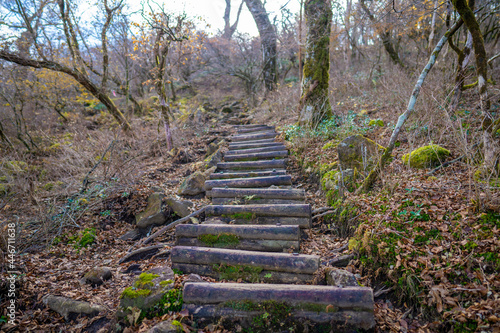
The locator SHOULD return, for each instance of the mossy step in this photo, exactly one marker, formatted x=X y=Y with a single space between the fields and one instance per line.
x=256 y=156
x=229 y=171
x=325 y=308
x=261 y=261
x=276 y=147
x=252 y=182
x=250 y=137
x=241 y=237
x=229 y=175
x=259 y=210
x=269 y=164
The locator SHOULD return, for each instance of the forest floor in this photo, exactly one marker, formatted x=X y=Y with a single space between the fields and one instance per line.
x=427 y=244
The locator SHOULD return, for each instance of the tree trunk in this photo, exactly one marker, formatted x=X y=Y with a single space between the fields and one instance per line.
x=228 y=28
x=314 y=104
x=491 y=149
x=268 y=40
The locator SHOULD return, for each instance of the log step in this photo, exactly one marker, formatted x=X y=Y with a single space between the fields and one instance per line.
x=271 y=193
x=270 y=164
x=256 y=156
x=276 y=147
x=251 y=137
x=326 y=308
x=250 y=266
x=249 y=182
x=255 y=129
x=228 y=175
x=241 y=237
x=253 y=144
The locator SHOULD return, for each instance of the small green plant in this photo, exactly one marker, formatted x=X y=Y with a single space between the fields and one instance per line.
x=177 y=271
x=170 y=302
x=83 y=239
x=233 y=273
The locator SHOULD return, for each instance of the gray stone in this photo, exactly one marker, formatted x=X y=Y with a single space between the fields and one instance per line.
x=69 y=308
x=153 y=214
x=193 y=278
x=96 y=276
x=194 y=184
x=340 y=278
x=165 y=327
x=131 y=235
x=212 y=148
x=180 y=207
x=147 y=290
x=213 y=159
x=358 y=152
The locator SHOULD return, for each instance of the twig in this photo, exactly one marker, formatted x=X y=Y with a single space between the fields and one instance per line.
x=325 y=213
x=85 y=181
x=321 y=210
x=445 y=164
x=342 y=248
x=382 y=291
x=168 y=227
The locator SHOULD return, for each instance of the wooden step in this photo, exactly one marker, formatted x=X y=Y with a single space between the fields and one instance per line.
x=228 y=175
x=254 y=182
x=241 y=237
x=251 y=266
x=254 y=129
x=256 y=156
x=253 y=137
x=252 y=170
x=325 y=308
x=283 y=214
x=277 y=147
x=270 y=164
x=253 y=144
x=271 y=193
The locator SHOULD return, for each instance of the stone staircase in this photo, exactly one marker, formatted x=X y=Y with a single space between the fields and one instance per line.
x=251 y=235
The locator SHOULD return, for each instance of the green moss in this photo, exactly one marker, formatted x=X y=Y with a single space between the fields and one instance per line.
x=132 y=292
x=426 y=156
x=236 y=272
x=376 y=122
x=330 y=180
x=145 y=279
x=5 y=188
x=242 y=216
x=49 y=186
x=324 y=168
x=220 y=240
x=330 y=145
x=170 y=302
x=15 y=167
x=166 y=283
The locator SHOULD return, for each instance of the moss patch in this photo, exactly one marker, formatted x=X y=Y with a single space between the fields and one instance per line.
x=220 y=240
x=241 y=216
x=236 y=272
x=376 y=122
x=145 y=279
x=426 y=156
x=132 y=292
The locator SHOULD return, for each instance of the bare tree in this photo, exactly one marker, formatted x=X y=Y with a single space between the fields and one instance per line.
x=228 y=28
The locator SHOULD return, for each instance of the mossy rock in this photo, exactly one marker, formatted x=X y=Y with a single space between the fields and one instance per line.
x=376 y=122
x=180 y=207
x=213 y=159
x=330 y=145
x=332 y=179
x=194 y=184
x=146 y=291
x=153 y=214
x=326 y=167
x=358 y=152
x=426 y=156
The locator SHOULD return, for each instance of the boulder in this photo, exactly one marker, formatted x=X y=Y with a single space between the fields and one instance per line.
x=146 y=291
x=153 y=214
x=332 y=179
x=194 y=184
x=69 y=308
x=358 y=152
x=96 y=276
x=212 y=148
x=426 y=156
x=165 y=327
x=340 y=278
x=131 y=235
x=213 y=159
x=180 y=207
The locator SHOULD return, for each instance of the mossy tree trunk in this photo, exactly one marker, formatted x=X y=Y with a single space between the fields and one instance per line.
x=314 y=104
x=268 y=41
x=491 y=149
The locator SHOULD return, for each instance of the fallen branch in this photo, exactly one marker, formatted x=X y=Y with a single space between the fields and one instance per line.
x=325 y=213
x=445 y=164
x=375 y=172
x=168 y=227
x=321 y=210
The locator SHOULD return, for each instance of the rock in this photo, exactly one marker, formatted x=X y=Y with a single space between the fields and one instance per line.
x=193 y=278
x=212 y=148
x=142 y=254
x=133 y=269
x=69 y=308
x=332 y=179
x=180 y=207
x=153 y=214
x=164 y=327
x=147 y=290
x=96 y=276
x=340 y=278
x=194 y=184
x=131 y=235
x=358 y=152
x=213 y=159
x=426 y=156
